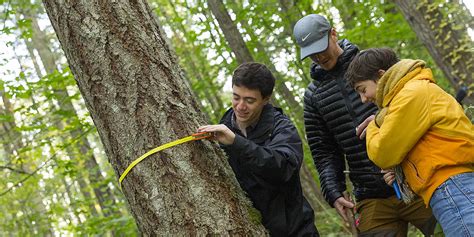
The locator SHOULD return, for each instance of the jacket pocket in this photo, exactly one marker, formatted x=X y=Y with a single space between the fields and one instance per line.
x=415 y=171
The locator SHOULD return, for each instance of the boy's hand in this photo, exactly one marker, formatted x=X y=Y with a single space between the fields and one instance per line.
x=362 y=128
x=389 y=176
x=221 y=133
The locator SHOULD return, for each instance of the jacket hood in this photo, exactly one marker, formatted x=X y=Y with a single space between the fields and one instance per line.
x=349 y=51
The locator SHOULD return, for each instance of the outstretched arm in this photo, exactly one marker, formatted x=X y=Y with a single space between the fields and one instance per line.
x=276 y=161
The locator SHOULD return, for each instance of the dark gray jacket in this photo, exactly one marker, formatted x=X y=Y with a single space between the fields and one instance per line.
x=332 y=110
x=267 y=165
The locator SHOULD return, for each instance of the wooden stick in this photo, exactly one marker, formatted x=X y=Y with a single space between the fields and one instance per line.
x=351 y=215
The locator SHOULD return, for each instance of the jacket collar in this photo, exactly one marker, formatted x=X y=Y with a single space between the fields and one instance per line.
x=260 y=131
x=349 y=51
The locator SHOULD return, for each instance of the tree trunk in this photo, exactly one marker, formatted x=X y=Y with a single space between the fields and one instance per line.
x=449 y=47
x=101 y=189
x=13 y=138
x=138 y=100
x=231 y=33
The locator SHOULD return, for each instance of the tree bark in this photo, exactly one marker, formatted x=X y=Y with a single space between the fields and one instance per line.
x=449 y=47
x=138 y=100
x=101 y=190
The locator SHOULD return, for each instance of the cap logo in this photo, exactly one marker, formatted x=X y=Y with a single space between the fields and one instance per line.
x=304 y=38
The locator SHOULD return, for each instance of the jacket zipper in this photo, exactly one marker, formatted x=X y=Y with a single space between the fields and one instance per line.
x=348 y=103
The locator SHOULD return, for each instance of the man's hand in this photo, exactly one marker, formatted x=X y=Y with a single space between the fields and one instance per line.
x=361 y=129
x=343 y=207
x=221 y=133
x=389 y=176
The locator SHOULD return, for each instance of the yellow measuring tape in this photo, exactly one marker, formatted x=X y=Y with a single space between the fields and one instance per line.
x=194 y=137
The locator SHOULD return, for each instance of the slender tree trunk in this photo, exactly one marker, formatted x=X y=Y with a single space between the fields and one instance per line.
x=7 y=125
x=291 y=14
x=13 y=138
x=42 y=225
x=74 y=214
x=450 y=48
x=231 y=33
x=192 y=58
x=241 y=51
x=138 y=100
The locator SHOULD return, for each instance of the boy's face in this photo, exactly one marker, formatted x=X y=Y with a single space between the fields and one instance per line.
x=328 y=58
x=367 y=90
x=247 y=104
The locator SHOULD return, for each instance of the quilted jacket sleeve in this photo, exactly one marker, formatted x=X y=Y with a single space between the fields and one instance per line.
x=327 y=155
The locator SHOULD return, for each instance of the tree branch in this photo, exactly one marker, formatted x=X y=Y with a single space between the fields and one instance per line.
x=46 y=162
x=13 y=169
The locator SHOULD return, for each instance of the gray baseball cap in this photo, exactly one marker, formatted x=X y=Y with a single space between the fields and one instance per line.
x=312 y=34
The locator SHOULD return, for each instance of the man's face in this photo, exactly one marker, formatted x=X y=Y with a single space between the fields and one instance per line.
x=367 y=90
x=328 y=58
x=247 y=104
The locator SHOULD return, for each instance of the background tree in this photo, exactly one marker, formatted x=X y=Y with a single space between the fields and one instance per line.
x=447 y=40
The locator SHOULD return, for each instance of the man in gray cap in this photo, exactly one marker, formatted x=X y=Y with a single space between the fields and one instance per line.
x=335 y=121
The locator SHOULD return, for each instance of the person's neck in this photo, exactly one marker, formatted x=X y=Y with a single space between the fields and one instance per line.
x=244 y=125
x=339 y=51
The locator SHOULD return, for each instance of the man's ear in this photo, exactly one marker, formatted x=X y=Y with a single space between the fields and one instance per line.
x=333 y=33
x=267 y=99
x=380 y=72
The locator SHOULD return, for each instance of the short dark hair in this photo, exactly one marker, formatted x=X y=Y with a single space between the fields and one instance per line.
x=255 y=76
x=366 y=64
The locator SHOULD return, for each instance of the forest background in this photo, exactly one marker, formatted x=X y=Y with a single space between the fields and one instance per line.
x=56 y=177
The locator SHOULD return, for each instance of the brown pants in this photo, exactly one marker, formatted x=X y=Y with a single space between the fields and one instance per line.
x=390 y=217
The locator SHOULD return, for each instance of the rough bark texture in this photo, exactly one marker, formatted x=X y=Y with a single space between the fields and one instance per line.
x=450 y=47
x=101 y=189
x=138 y=100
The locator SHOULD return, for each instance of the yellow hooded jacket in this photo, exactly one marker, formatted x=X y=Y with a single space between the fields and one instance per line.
x=424 y=129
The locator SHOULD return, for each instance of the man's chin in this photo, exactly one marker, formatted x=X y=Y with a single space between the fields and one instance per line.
x=242 y=120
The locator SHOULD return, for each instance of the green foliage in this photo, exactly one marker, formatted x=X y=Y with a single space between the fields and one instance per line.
x=47 y=189
x=48 y=125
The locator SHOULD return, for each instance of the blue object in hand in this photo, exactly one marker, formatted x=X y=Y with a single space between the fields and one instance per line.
x=397 y=190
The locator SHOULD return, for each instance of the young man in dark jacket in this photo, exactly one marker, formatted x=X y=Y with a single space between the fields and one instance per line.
x=333 y=112
x=265 y=153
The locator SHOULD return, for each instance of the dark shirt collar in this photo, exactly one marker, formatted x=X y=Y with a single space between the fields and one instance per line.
x=261 y=127
x=249 y=128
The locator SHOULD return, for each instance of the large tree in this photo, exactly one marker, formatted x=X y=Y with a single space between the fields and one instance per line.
x=446 y=40
x=138 y=99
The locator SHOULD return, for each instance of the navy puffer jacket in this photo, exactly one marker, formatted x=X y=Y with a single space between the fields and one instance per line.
x=332 y=110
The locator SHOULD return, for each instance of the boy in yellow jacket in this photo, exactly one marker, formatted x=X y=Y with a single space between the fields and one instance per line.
x=421 y=130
